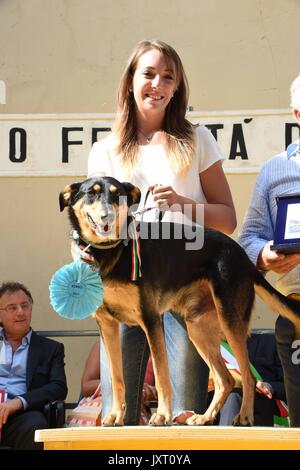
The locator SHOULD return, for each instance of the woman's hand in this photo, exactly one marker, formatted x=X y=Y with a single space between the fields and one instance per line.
x=165 y=196
x=77 y=251
x=280 y=263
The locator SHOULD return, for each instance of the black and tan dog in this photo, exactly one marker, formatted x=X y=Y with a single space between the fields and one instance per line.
x=213 y=288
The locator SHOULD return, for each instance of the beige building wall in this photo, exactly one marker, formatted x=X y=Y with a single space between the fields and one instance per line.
x=66 y=56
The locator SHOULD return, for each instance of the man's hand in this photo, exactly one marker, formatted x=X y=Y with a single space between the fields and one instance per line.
x=280 y=263
x=265 y=388
x=9 y=407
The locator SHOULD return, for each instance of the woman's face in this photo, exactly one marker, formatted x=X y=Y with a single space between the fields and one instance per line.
x=153 y=84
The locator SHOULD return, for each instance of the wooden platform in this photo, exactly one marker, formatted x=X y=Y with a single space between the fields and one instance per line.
x=169 y=438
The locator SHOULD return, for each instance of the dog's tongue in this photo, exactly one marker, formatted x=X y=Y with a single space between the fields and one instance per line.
x=100 y=230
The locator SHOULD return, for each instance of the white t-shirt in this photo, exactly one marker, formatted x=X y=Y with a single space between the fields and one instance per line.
x=153 y=167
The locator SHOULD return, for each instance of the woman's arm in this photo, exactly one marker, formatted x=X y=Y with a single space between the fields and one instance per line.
x=219 y=212
x=91 y=374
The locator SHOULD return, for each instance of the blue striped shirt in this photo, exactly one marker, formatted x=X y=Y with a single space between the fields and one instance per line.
x=13 y=366
x=278 y=177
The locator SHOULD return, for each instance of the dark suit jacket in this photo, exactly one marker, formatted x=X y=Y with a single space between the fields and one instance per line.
x=46 y=378
x=263 y=355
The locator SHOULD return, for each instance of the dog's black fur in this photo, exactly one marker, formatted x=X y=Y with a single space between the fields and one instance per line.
x=173 y=278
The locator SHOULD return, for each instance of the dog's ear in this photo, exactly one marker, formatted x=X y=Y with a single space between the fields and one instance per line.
x=64 y=196
x=133 y=193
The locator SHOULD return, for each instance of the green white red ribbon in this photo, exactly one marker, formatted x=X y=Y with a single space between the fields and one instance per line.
x=135 y=253
x=231 y=364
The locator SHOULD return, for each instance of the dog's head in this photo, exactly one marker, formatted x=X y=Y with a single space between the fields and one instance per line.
x=98 y=208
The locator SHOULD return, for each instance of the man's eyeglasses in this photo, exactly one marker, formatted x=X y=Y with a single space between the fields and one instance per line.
x=13 y=308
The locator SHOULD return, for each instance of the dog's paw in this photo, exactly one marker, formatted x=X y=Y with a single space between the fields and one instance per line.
x=160 y=420
x=199 y=420
x=240 y=420
x=112 y=419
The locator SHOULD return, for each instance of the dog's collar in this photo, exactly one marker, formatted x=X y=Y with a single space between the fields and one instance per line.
x=135 y=250
x=99 y=246
x=106 y=245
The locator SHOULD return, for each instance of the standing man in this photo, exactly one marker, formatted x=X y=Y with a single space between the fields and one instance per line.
x=279 y=176
x=31 y=370
x=263 y=355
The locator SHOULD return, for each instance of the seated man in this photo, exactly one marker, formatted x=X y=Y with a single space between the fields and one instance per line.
x=31 y=370
x=263 y=356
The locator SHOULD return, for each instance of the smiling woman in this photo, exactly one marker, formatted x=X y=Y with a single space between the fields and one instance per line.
x=154 y=147
x=153 y=88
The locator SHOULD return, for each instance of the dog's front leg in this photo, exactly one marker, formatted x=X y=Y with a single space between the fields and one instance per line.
x=109 y=328
x=156 y=341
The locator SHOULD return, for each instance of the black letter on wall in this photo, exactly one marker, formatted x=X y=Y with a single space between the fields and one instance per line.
x=12 y=144
x=238 y=139
x=66 y=142
x=95 y=131
x=214 y=129
x=288 y=133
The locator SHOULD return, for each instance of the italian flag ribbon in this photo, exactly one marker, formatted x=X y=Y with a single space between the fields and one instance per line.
x=135 y=253
x=232 y=365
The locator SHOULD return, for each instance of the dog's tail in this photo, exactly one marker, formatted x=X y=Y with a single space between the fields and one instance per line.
x=286 y=307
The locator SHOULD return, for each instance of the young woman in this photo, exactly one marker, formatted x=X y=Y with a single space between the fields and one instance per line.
x=152 y=145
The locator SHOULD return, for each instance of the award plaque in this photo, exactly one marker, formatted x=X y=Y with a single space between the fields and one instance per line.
x=287 y=226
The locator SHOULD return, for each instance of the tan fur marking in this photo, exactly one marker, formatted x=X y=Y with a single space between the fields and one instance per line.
x=205 y=333
x=194 y=297
x=277 y=306
x=113 y=189
x=237 y=338
x=135 y=194
x=67 y=193
x=109 y=328
x=88 y=232
x=124 y=300
x=97 y=188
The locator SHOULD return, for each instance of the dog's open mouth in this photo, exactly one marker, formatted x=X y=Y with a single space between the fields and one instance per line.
x=100 y=229
x=103 y=230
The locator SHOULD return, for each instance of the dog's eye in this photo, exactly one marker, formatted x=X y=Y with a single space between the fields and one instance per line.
x=92 y=192
x=95 y=189
x=115 y=196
